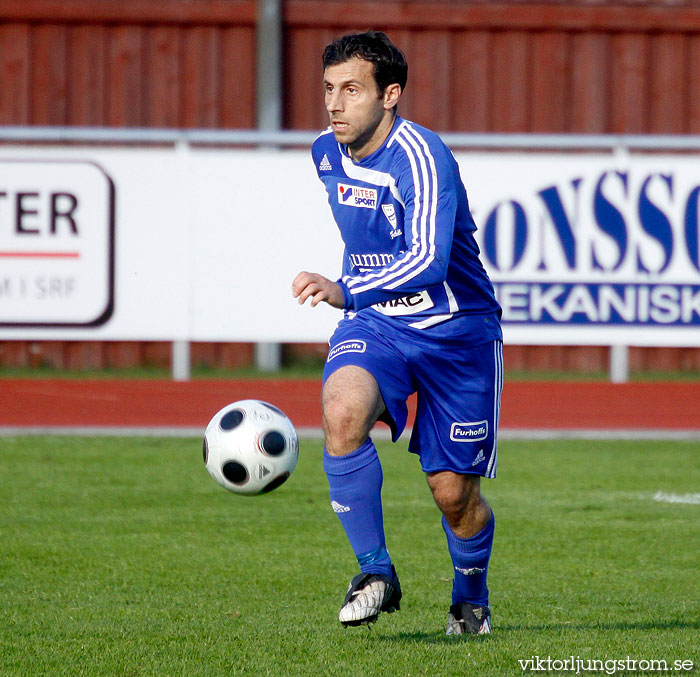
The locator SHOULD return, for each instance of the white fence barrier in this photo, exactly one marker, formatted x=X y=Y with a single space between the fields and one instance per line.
x=185 y=236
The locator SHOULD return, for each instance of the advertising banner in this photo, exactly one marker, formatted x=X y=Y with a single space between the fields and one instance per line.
x=590 y=248
x=201 y=244
x=56 y=244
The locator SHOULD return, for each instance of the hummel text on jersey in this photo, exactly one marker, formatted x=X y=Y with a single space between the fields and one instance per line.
x=355 y=196
x=469 y=432
x=370 y=260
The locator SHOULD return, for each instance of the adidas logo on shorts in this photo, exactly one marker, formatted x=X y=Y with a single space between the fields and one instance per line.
x=479 y=458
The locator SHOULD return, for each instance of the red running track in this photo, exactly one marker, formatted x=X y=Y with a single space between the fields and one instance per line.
x=164 y=403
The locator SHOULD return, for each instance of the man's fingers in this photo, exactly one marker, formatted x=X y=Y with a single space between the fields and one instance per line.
x=318 y=297
x=304 y=294
x=311 y=290
x=317 y=288
x=301 y=281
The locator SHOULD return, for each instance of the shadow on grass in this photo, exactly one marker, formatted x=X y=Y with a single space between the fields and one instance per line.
x=439 y=637
x=647 y=625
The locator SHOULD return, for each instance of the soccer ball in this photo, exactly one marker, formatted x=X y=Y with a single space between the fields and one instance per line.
x=250 y=447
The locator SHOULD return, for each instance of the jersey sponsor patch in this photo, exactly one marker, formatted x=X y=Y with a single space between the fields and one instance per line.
x=355 y=196
x=343 y=347
x=390 y=213
x=369 y=261
x=406 y=305
x=469 y=432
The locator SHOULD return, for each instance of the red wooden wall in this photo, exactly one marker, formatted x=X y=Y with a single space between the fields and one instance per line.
x=474 y=66
x=518 y=67
x=579 y=66
x=143 y=63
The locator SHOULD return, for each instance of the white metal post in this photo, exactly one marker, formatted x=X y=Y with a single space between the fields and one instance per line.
x=619 y=364
x=181 y=363
x=268 y=356
x=269 y=65
x=181 y=352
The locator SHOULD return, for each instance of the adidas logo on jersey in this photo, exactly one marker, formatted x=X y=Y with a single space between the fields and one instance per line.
x=325 y=165
x=337 y=507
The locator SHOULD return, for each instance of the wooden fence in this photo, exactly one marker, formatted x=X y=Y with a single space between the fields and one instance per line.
x=567 y=67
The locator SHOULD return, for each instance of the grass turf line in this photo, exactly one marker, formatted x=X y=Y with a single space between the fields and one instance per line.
x=122 y=557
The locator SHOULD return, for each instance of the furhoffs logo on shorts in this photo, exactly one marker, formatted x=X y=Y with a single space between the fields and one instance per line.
x=469 y=432
x=351 y=346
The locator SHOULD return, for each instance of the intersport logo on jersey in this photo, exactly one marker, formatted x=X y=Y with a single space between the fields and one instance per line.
x=591 y=241
x=356 y=196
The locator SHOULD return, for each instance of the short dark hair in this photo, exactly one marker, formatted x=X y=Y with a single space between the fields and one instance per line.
x=374 y=46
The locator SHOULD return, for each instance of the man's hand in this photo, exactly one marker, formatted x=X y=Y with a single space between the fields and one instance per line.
x=317 y=288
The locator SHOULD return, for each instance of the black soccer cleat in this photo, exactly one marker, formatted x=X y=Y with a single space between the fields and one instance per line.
x=468 y=619
x=369 y=595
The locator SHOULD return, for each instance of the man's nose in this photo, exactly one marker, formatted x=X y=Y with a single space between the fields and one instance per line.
x=333 y=102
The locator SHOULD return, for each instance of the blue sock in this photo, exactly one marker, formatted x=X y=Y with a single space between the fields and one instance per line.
x=470 y=558
x=355 y=482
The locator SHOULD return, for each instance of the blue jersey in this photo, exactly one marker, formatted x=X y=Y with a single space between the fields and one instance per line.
x=410 y=256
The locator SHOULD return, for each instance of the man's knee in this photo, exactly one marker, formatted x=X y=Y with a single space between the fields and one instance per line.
x=351 y=405
x=453 y=496
x=459 y=499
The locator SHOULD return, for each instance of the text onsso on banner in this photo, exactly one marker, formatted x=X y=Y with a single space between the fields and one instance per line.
x=601 y=246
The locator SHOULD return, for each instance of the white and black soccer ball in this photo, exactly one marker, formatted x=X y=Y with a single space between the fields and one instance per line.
x=250 y=447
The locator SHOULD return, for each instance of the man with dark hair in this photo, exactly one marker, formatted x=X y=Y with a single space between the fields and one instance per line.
x=420 y=315
x=389 y=62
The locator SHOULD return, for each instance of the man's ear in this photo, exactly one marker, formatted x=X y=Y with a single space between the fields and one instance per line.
x=392 y=94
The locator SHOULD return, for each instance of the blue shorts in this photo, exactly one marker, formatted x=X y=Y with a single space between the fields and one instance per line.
x=458 y=388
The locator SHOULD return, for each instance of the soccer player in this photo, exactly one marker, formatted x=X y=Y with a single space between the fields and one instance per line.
x=419 y=316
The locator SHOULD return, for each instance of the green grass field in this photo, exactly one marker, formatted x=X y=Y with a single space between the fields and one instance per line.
x=120 y=556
